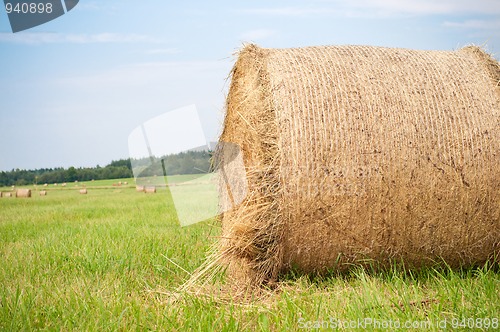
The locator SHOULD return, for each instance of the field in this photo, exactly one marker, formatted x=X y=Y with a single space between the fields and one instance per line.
x=109 y=260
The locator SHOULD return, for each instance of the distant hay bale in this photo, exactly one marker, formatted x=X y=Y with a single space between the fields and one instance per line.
x=139 y=189
x=63 y=185
x=45 y=184
x=358 y=154
x=1 y=194
x=7 y=194
x=125 y=183
x=83 y=191
x=23 y=193
x=43 y=193
x=150 y=190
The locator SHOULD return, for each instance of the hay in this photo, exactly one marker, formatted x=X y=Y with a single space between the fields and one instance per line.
x=139 y=189
x=23 y=193
x=7 y=194
x=43 y=192
x=83 y=191
x=150 y=190
x=359 y=154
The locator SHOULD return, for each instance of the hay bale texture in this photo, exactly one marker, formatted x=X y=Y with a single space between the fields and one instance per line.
x=358 y=154
x=150 y=190
x=23 y=193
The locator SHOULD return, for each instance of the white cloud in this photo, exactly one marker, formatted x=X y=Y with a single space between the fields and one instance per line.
x=429 y=7
x=97 y=6
x=383 y=8
x=147 y=74
x=33 y=38
x=89 y=5
x=474 y=24
x=165 y=51
x=258 y=34
x=288 y=11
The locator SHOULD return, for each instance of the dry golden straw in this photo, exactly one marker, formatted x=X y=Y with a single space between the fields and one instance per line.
x=358 y=154
x=83 y=191
x=139 y=188
x=43 y=193
x=23 y=193
x=150 y=190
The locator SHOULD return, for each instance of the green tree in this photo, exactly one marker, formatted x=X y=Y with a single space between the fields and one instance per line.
x=71 y=174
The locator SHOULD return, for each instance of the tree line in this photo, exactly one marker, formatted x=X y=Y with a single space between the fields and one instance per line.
x=191 y=162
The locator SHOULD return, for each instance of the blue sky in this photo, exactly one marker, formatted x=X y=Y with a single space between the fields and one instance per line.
x=73 y=89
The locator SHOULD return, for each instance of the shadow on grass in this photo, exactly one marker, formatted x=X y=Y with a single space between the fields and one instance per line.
x=395 y=270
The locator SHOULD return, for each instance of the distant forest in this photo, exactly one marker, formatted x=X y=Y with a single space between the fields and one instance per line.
x=191 y=162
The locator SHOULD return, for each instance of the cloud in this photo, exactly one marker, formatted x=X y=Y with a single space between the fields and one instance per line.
x=33 y=38
x=382 y=8
x=474 y=24
x=429 y=7
x=164 y=51
x=101 y=6
x=288 y=11
x=258 y=34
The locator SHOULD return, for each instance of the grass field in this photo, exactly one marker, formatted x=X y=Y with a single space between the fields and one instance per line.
x=106 y=261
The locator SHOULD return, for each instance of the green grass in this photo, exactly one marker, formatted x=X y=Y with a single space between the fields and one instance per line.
x=102 y=262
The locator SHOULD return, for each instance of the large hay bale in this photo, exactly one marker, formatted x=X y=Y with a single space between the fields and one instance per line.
x=150 y=189
x=43 y=192
x=23 y=193
x=359 y=154
x=83 y=191
x=139 y=189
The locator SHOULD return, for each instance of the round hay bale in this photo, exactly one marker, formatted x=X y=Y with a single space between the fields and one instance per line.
x=23 y=193
x=150 y=190
x=43 y=192
x=357 y=154
x=7 y=194
x=139 y=189
x=83 y=191
x=1 y=194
